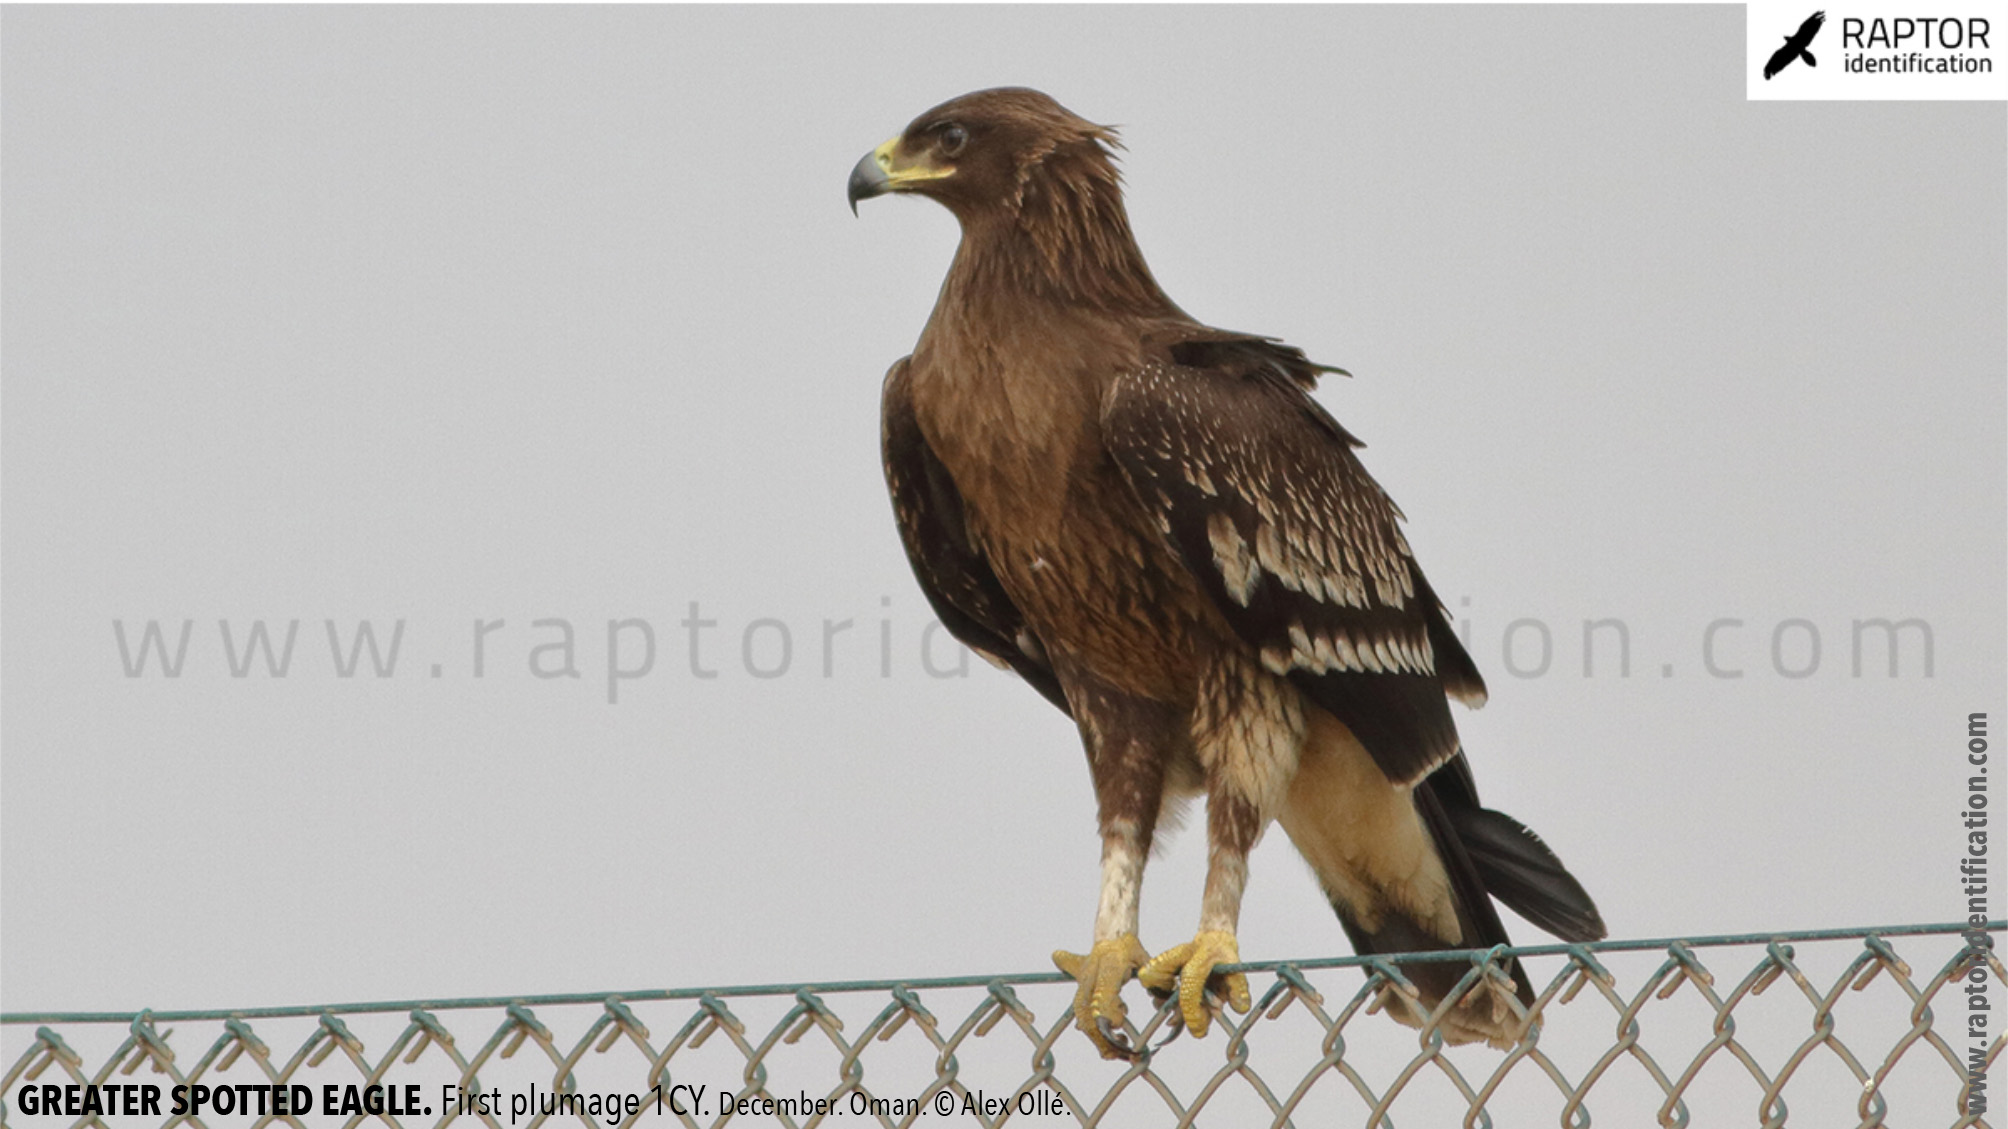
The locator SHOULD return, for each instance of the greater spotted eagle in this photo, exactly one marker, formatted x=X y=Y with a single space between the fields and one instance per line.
x=1155 y=524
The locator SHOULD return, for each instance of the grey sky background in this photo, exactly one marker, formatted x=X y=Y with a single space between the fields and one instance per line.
x=447 y=315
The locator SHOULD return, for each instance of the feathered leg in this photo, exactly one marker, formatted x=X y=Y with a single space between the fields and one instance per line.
x=1248 y=730
x=1129 y=741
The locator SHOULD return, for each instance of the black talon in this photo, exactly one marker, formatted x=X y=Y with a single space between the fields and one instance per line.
x=1114 y=1038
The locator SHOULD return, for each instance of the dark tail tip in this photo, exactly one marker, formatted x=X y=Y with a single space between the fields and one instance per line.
x=1520 y=870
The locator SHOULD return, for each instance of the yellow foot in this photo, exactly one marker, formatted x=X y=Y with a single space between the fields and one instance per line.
x=1098 y=1002
x=1188 y=968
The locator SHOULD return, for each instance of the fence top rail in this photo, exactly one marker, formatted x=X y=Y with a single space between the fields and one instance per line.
x=912 y=983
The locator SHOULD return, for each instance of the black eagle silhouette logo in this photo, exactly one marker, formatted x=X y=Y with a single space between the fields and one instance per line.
x=1795 y=46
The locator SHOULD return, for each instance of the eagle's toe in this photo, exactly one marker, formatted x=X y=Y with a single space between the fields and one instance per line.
x=1188 y=970
x=1099 y=976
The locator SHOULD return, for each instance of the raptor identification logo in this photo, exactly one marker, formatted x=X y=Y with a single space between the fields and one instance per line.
x=1883 y=51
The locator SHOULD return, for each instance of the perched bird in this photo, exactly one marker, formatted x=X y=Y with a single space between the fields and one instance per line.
x=1795 y=46
x=1154 y=524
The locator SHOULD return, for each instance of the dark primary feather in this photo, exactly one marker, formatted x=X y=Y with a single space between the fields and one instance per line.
x=1515 y=865
x=1520 y=870
x=953 y=573
x=1440 y=801
x=1481 y=925
x=1483 y=852
x=1260 y=493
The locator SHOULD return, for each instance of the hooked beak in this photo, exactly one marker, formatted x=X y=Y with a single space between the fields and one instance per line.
x=872 y=175
x=887 y=169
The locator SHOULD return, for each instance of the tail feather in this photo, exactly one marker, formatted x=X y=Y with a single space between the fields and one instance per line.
x=1479 y=921
x=1415 y=870
x=1520 y=870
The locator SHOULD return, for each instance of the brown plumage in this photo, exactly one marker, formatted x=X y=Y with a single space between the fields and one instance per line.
x=1155 y=524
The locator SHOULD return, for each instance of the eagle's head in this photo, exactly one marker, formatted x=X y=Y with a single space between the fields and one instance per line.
x=1036 y=191
x=981 y=153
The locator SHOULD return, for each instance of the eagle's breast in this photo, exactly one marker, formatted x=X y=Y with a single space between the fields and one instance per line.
x=1016 y=421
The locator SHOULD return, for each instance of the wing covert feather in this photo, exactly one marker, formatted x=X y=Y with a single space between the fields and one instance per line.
x=1258 y=490
x=954 y=574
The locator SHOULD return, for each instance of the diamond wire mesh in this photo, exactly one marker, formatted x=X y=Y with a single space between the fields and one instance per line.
x=1820 y=1028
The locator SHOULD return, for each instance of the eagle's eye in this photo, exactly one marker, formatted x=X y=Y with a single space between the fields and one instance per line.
x=953 y=138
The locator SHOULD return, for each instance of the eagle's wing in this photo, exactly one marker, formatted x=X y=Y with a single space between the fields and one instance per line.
x=952 y=571
x=1780 y=58
x=1258 y=490
x=1809 y=29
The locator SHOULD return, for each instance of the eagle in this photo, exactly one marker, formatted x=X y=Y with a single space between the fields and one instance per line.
x=1795 y=46
x=1155 y=524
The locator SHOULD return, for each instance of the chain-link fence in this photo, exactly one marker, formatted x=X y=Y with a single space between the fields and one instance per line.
x=1826 y=1028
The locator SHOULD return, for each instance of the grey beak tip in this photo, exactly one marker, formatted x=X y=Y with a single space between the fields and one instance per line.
x=867 y=180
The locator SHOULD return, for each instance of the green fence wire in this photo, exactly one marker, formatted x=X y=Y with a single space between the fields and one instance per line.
x=1816 y=1028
